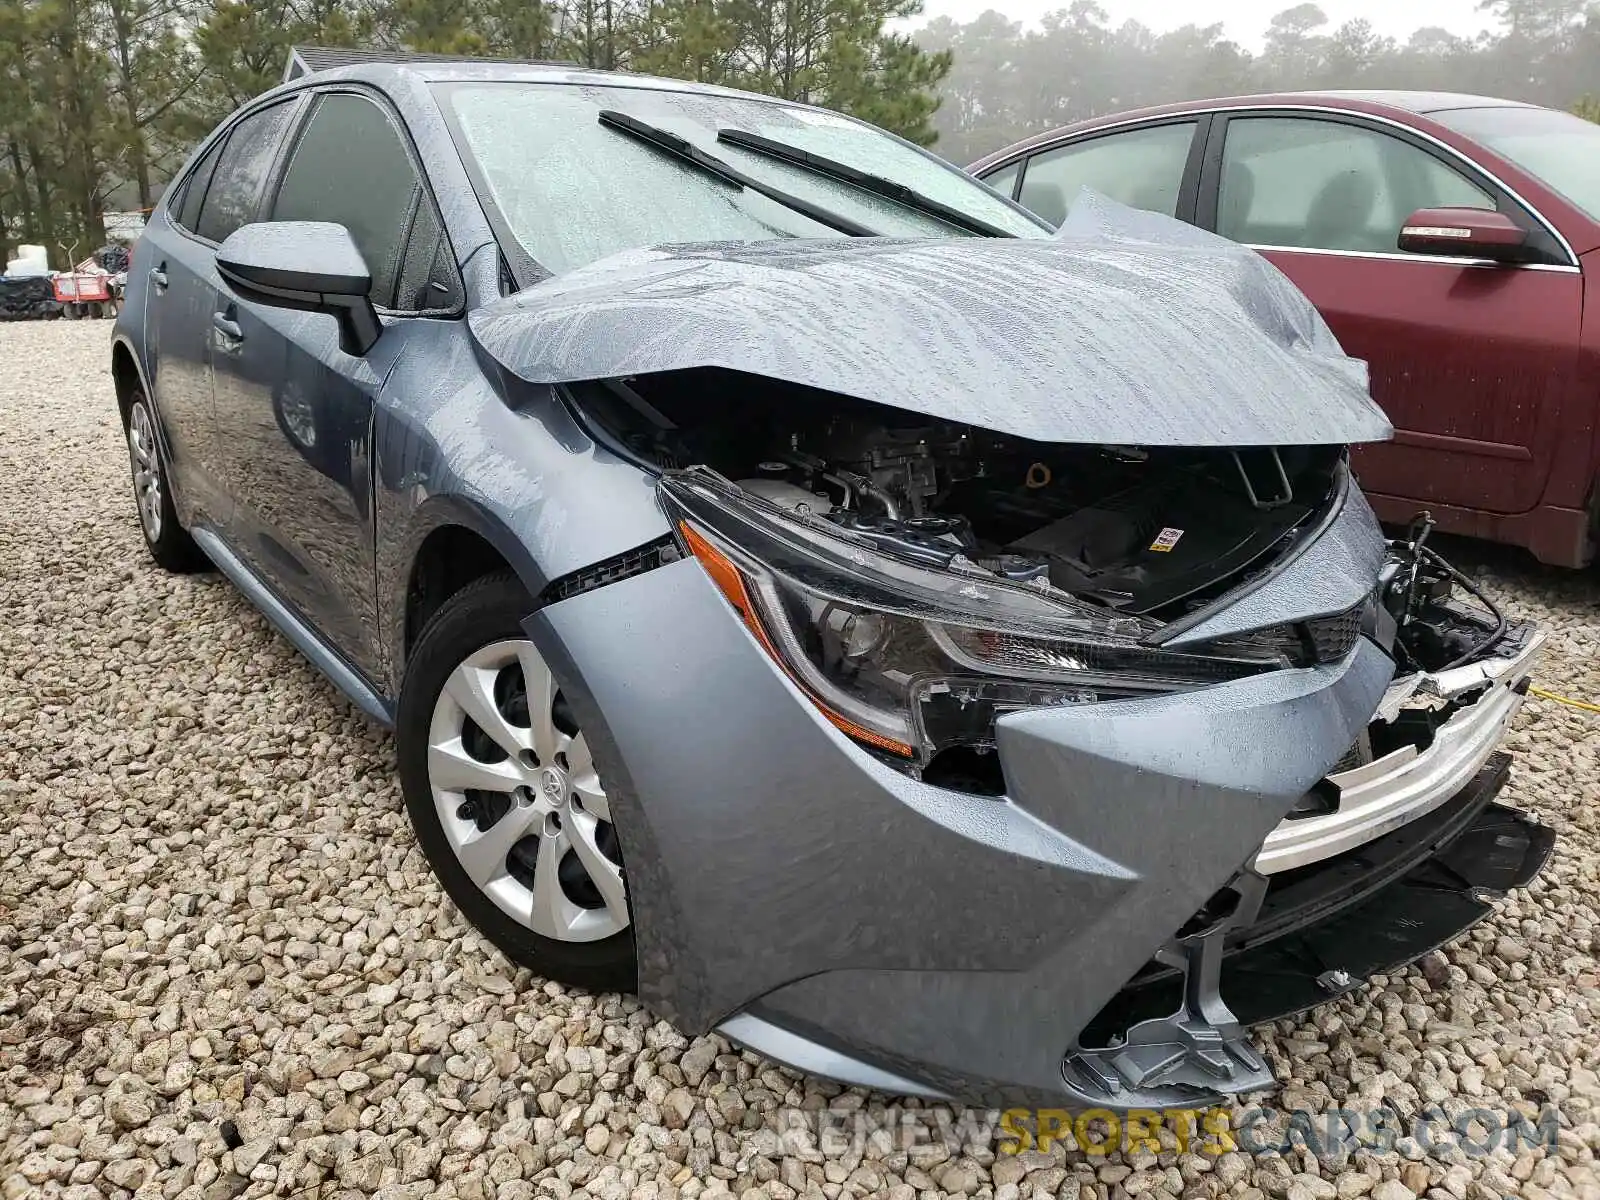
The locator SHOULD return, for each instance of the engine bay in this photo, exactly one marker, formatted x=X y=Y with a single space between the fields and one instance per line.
x=1148 y=531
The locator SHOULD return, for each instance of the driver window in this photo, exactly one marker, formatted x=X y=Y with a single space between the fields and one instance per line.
x=1290 y=181
x=351 y=167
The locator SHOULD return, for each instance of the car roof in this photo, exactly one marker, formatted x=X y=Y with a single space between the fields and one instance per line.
x=1422 y=103
x=1372 y=102
x=384 y=66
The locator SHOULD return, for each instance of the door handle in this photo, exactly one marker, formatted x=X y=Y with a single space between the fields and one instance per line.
x=227 y=326
x=158 y=276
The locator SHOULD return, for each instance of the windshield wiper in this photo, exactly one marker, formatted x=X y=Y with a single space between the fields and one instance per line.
x=865 y=180
x=684 y=150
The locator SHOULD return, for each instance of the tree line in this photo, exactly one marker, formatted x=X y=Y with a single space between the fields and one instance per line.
x=101 y=100
x=1008 y=81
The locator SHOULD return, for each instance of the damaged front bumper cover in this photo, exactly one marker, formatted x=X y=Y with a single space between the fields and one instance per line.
x=1410 y=857
x=1007 y=956
x=1176 y=1035
x=1313 y=934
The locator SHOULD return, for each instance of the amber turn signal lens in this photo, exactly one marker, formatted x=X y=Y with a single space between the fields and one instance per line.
x=730 y=582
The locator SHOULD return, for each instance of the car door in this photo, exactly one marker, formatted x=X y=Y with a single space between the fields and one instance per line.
x=178 y=256
x=293 y=410
x=1153 y=166
x=1470 y=360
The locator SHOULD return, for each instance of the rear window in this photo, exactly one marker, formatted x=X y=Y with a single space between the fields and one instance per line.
x=1560 y=150
x=241 y=172
x=186 y=211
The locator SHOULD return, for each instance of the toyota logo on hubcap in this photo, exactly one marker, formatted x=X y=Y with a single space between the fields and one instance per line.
x=553 y=782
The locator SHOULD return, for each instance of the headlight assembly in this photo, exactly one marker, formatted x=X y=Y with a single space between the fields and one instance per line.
x=913 y=661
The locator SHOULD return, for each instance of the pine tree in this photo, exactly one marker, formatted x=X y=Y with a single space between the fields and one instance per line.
x=838 y=53
x=152 y=70
x=687 y=39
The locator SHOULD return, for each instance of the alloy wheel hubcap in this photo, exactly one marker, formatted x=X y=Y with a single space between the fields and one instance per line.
x=146 y=464
x=519 y=799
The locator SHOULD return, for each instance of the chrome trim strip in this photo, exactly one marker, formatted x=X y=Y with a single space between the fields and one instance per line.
x=805 y=1055
x=1267 y=109
x=288 y=623
x=1402 y=256
x=1379 y=797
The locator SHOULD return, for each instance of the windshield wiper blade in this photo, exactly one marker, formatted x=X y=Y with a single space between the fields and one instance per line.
x=684 y=150
x=864 y=180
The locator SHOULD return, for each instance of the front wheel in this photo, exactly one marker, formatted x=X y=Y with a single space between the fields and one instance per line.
x=506 y=797
x=169 y=543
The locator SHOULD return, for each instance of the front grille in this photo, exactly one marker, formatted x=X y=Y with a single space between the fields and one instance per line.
x=1331 y=638
x=1320 y=640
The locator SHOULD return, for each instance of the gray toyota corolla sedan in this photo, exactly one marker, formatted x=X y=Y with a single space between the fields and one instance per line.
x=939 y=653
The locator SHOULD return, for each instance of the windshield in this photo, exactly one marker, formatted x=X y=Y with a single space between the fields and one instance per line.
x=1561 y=150
x=572 y=190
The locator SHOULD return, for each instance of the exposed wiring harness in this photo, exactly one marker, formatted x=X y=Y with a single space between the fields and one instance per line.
x=1476 y=594
x=1416 y=539
x=1416 y=546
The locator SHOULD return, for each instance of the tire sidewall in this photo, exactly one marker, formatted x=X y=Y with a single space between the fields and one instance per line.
x=174 y=549
x=486 y=611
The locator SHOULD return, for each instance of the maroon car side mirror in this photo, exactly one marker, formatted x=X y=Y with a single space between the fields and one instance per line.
x=1464 y=233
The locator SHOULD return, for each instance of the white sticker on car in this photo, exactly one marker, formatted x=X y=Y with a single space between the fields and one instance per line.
x=1166 y=540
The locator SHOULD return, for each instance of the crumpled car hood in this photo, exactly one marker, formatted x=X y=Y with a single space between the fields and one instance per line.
x=1090 y=339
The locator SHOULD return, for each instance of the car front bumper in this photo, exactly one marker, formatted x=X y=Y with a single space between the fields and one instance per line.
x=819 y=906
x=1429 y=765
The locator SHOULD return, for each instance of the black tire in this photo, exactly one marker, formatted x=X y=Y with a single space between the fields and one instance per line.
x=169 y=543
x=486 y=611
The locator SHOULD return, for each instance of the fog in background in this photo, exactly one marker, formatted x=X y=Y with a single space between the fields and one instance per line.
x=1038 y=65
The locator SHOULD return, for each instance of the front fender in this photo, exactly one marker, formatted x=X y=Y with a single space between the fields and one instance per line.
x=515 y=468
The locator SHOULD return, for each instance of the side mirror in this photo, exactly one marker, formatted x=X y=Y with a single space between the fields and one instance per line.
x=312 y=266
x=1464 y=232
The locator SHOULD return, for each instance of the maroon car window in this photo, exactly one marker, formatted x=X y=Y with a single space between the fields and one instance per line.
x=1142 y=168
x=1325 y=185
x=1557 y=148
x=1004 y=180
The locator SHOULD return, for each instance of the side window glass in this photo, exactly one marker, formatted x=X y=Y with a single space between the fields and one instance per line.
x=1438 y=186
x=1142 y=168
x=351 y=167
x=427 y=273
x=1004 y=180
x=241 y=172
x=186 y=212
x=1289 y=181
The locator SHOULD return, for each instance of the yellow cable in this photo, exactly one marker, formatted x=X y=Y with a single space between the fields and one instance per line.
x=1544 y=695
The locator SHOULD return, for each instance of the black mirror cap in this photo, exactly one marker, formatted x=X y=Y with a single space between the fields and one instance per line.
x=312 y=266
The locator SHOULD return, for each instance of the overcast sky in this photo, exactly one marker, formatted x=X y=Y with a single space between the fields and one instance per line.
x=1245 y=20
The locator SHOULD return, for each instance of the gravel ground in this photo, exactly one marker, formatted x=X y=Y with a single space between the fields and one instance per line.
x=225 y=969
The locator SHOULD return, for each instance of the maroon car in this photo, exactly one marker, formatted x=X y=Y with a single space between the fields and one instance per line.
x=1447 y=239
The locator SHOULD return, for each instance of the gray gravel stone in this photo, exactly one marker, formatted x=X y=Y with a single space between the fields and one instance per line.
x=212 y=909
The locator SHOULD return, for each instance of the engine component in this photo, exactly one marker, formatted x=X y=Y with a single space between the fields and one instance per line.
x=1435 y=632
x=1156 y=544
x=787 y=495
x=1145 y=530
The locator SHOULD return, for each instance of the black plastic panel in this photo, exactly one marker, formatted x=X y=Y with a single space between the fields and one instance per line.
x=1366 y=912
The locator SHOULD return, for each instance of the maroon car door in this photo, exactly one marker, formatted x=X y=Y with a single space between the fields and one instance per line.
x=1470 y=360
